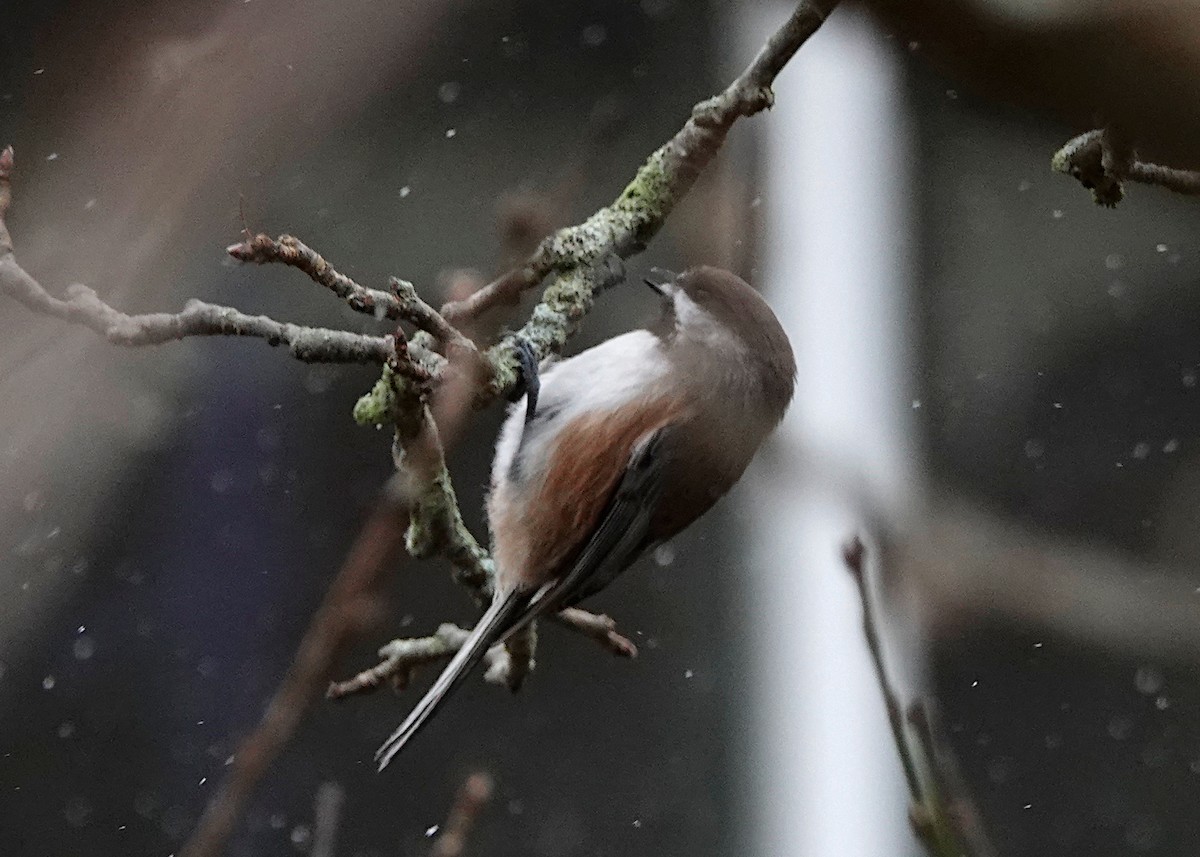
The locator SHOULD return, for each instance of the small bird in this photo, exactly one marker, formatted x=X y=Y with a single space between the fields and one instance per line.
x=623 y=446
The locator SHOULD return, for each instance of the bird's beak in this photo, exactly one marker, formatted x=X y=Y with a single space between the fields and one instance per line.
x=661 y=282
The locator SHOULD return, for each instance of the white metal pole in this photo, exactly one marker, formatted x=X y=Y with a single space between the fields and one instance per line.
x=833 y=264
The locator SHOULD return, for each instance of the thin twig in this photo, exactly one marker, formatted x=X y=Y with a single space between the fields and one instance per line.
x=288 y=250
x=854 y=556
x=472 y=797
x=400 y=660
x=1103 y=159
x=84 y=307
x=400 y=302
x=600 y=627
x=941 y=811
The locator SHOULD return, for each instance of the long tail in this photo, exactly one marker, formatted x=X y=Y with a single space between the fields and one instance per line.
x=490 y=628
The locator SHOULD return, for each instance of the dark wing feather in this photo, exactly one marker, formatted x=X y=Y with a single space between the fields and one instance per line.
x=621 y=535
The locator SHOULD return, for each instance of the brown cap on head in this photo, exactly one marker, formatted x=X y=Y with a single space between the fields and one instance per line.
x=731 y=301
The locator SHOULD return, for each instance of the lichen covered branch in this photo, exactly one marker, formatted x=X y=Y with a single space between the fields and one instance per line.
x=577 y=259
x=1103 y=160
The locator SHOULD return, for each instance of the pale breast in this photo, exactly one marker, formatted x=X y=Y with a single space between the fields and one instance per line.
x=552 y=478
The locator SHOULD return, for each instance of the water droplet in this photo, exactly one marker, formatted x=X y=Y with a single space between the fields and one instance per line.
x=1120 y=727
x=1141 y=450
x=1057 y=214
x=300 y=836
x=1114 y=261
x=1148 y=679
x=688 y=673
x=664 y=554
x=1171 y=446
x=77 y=811
x=1161 y=248
x=593 y=35
x=405 y=191
x=66 y=730
x=48 y=683
x=431 y=831
x=83 y=648
x=450 y=132
x=221 y=481
x=448 y=92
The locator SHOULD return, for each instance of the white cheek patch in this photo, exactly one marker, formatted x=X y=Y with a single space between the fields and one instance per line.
x=699 y=325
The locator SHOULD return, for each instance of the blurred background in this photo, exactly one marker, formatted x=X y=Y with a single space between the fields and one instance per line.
x=969 y=328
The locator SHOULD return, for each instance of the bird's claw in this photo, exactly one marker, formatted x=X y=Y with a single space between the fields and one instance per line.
x=530 y=382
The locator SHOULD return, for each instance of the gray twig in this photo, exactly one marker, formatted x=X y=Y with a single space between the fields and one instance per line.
x=84 y=307
x=941 y=812
x=400 y=660
x=1104 y=159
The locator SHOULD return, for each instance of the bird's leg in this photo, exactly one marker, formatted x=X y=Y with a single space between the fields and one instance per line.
x=530 y=383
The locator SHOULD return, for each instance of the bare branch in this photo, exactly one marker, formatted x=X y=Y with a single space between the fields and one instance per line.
x=400 y=660
x=84 y=307
x=401 y=302
x=941 y=811
x=1102 y=160
x=600 y=627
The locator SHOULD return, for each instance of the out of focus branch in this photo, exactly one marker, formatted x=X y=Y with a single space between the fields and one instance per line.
x=353 y=603
x=941 y=811
x=1103 y=161
x=965 y=566
x=472 y=797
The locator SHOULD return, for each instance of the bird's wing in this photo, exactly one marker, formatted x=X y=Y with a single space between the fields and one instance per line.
x=622 y=533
